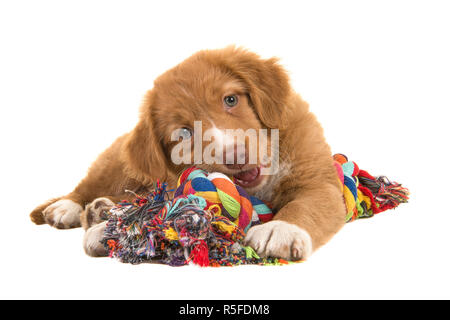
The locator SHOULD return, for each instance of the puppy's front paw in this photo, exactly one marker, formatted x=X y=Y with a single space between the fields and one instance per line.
x=96 y=212
x=91 y=241
x=280 y=239
x=63 y=214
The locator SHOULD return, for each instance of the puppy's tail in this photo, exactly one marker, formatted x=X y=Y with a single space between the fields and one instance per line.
x=37 y=216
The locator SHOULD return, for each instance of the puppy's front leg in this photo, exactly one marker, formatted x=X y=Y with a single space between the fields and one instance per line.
x=301 y=226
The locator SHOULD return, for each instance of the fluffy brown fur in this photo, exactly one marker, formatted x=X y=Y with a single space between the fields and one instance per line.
x=308 y=196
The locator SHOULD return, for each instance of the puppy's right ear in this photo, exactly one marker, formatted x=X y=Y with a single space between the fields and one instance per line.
x=143 y=152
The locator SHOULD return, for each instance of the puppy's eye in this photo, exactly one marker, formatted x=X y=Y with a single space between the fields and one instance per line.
x=185 y=133
x=230 y=101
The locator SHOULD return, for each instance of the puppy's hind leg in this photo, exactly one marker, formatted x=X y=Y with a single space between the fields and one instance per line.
x=61 y=213
x=96 y=212
x=37 y=215
x=105 y=177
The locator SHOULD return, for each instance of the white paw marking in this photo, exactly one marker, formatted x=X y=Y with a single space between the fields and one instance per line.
x=63 y=214
x=280 y=239
x=91 y=241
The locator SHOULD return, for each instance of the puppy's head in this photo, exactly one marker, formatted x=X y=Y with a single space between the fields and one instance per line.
x=216 y=110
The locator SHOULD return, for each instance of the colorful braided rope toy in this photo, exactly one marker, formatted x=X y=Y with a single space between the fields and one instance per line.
x=365 y=195
x=206 y=221
x=223 y=197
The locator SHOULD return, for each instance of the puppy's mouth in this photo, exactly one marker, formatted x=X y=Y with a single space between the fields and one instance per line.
x=248 y=178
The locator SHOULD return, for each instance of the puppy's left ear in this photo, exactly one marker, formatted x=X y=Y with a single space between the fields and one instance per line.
x=268 y=85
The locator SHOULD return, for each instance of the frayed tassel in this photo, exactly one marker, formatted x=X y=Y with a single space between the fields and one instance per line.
x=200 y=254
x=385 y=194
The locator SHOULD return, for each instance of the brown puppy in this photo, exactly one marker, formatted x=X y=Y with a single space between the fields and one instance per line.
x=224 y=89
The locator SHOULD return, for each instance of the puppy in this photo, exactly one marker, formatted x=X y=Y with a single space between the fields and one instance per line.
x=219 y=90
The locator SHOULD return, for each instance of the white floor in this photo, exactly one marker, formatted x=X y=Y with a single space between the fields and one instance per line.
x=376 y=76
x=398 y=255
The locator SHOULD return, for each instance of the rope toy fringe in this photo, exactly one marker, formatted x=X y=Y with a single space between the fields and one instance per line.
x=365 y=195
x=206 y=221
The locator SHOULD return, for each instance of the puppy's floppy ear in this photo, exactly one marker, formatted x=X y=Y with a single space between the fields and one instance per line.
x=142 y=149
x=268 y=85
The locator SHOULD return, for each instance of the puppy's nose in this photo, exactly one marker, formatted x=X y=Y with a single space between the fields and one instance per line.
x=235 y=156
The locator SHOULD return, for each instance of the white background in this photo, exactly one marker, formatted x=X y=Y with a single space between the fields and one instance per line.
x=377 y=74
